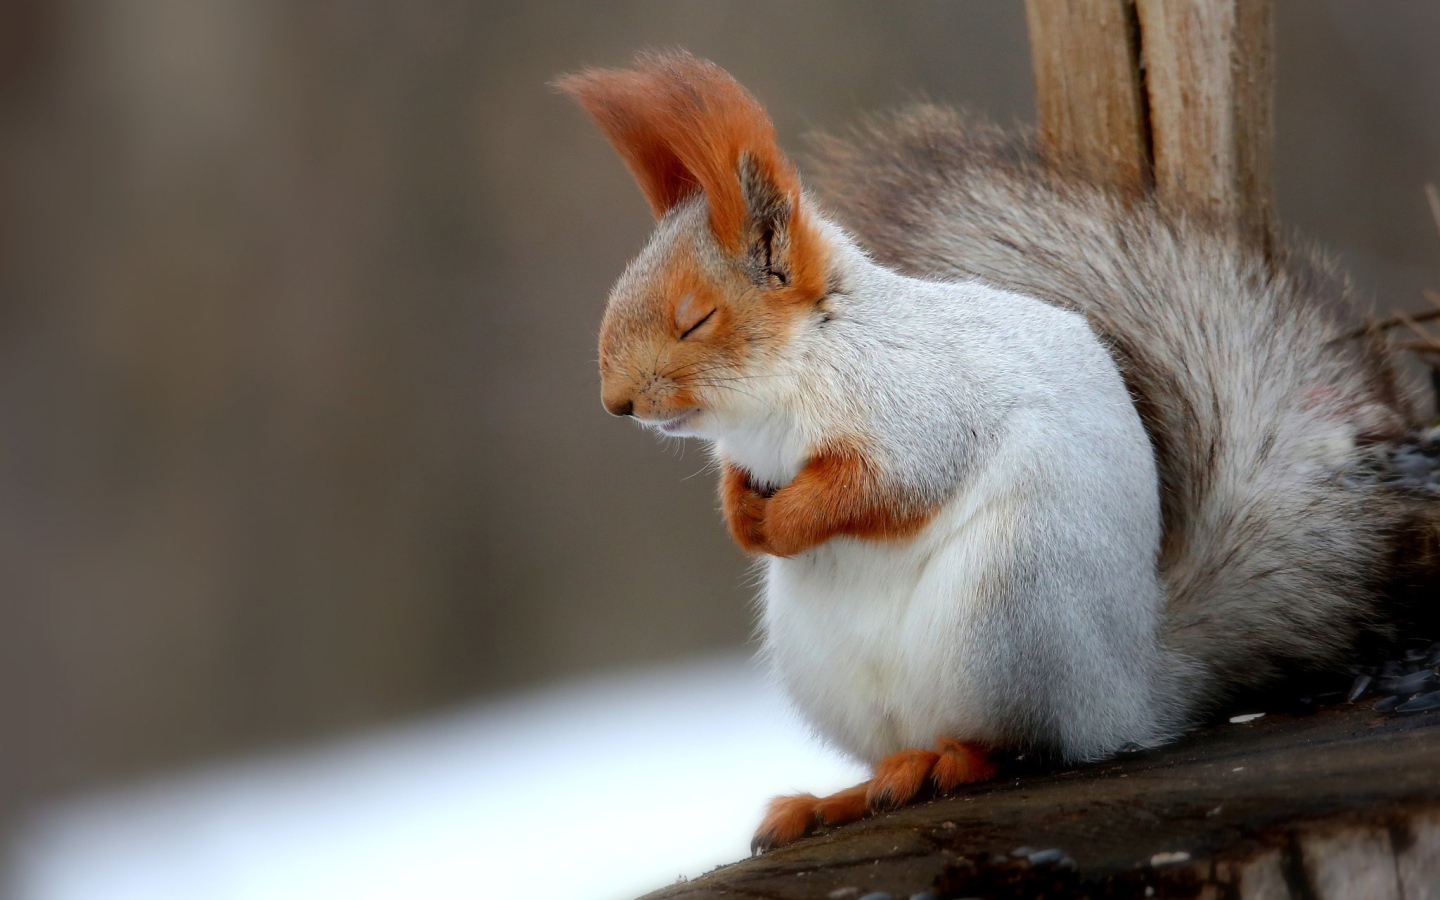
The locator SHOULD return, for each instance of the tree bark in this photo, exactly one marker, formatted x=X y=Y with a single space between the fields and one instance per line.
x=1339 y=804
x=1178 y=94
x=1088 y=87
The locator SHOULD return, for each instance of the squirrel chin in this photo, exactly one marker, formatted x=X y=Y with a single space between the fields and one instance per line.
x=682 y=426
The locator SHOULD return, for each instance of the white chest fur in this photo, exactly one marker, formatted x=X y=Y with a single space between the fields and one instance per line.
x=1025 y=613
x=880 y=643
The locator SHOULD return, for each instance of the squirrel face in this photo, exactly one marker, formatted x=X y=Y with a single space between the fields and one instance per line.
x=692 y=329
x=736 y=263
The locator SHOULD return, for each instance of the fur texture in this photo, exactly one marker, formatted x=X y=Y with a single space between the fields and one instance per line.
x=956 y=494
x=1024 y=612
x=1258 y=408
x=1033 y=467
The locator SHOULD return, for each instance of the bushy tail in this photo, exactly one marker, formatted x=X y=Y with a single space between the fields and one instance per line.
x=1269 y=422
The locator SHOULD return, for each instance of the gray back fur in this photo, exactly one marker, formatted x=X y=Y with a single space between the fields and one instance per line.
x=1259 y=411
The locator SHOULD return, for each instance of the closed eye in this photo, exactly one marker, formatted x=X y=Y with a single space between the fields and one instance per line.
x=691 y=330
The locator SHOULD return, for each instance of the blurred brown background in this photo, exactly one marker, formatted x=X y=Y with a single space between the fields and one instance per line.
x=299 y=423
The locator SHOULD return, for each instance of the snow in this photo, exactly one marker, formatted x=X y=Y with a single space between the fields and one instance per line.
x=602 y=789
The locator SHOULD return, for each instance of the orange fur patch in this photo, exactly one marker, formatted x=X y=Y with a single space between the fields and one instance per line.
x=899 y=778
x=682 y=125
x=839 y=492
x=843 y=807
x=684 y=278
x=744 y=509
x=787 y=820
x=960 y=763
x=642 y=357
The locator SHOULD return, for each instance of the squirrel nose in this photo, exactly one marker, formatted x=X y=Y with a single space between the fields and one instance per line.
x=620 y=407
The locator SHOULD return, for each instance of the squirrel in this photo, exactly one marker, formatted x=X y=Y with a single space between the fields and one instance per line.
x=1033 y=467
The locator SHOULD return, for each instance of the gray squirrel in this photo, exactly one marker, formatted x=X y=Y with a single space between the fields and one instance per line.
x=1032 y=467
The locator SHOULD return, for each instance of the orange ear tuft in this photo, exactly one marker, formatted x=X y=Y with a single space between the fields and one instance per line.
x=682 y=124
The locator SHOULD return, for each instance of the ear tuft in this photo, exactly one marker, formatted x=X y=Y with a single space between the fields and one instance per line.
x=682 y=125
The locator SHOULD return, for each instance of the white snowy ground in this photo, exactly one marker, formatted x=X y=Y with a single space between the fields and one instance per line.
x=596 y=790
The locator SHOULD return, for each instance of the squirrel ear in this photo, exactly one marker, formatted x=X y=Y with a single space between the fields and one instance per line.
x=630 y=109
x=684 y=125
x=771 y=213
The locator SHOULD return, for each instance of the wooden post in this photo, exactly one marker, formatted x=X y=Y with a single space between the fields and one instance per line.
x=1203 y=75
x=1088 y=87
x=1211 y=80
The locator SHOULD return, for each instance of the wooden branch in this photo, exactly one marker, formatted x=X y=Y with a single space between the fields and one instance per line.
x=1386 y=324
x=1419 y=347
x=1411 y=322
x=1089 y=94
x=1339 y=804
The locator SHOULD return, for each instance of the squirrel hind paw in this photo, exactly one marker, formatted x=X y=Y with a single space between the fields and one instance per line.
x=899 y=778
x=961 y=763
x=909 y=775
x=788 y=819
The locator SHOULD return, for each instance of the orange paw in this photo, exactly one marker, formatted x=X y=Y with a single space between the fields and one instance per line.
x=902 y=777
x=899 y=778
x=787 y=819
x=744 y=509
x=845 y=806
x=790 y=818
x=960 y=763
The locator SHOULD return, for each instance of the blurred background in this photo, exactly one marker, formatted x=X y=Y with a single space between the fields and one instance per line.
x=299 y=418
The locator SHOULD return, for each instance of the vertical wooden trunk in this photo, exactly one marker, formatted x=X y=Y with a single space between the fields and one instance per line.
x=1178 y=94
x=1088 y=87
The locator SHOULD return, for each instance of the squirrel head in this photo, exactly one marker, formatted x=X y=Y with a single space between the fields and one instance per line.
x=737 y=263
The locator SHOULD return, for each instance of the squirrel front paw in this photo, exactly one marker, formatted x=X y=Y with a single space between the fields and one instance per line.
x=816 y=506
x=745 y=510
x=833 y=494
x=791 y=526
x=778 y=524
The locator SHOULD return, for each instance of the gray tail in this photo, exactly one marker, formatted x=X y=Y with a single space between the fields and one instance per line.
x=1275 y=431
